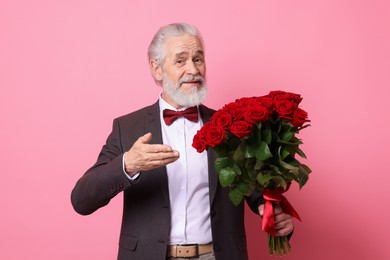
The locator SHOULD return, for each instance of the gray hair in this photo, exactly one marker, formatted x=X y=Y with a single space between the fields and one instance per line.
x=156 y=50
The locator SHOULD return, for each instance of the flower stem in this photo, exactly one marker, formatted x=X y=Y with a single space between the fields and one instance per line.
x=278 y=246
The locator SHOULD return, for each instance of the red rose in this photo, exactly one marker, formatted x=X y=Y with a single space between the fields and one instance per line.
x=285 y=108
x=235 y=109
x=246 y=101
x=222 y=119
x=256 y=114
x=241 y=128
x=275 y=93
x=266 y=102
x=199 y=144
x=230 y=107
x=299 y=117
x=215 y=135
x=238 y=112
x=282 y=95
x=199 y=141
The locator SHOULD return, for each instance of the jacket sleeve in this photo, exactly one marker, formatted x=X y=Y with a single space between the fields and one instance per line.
x=254 y=201
x=104 y=180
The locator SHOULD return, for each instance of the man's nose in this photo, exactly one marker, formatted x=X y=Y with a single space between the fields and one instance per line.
x=192 y=68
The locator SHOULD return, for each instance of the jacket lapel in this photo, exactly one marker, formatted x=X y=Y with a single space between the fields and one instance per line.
x=205 y=114
x=153 y=125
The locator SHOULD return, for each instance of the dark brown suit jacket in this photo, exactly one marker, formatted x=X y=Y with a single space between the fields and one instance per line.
x=146 y=223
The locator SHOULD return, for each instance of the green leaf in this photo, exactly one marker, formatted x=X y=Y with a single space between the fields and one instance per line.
x=236 y=196
x=263 y=152
x=243 y=186
x=288 y=166
x=259 y=164
x=301 y=153
x=288 y=175
x=237 y=169
x=227 y=176
x=281 y=181
x=306 y=168
x=251 y=172
x=278 y=169
x=279 y=126
x=292 y=161
x=303 y=175
x=220 y=163
x=291 y=142
x=264 y=179
x=303 y=127
x=303 y=178
x=296 y=141
x=266 y=135
x=239 y=154
x=250 y=151
x=283 y=153
x=287 y=136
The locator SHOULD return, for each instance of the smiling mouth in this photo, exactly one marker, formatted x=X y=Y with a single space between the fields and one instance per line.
x=192 y=83
x=192 y=80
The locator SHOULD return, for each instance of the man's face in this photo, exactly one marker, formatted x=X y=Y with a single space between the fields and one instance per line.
x=184 y=71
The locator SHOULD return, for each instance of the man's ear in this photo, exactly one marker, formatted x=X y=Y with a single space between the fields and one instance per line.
x=156 y=70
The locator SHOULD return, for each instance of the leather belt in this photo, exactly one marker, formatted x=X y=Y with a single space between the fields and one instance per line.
x=187 y=251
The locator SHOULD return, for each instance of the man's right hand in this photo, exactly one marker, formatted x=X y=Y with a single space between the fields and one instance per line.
x=143 y=156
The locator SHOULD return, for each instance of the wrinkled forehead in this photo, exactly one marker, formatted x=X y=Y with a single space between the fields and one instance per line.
x=184 y=44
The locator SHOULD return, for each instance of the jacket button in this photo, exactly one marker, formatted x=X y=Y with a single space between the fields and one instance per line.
x=213 y=213
x=216 y=248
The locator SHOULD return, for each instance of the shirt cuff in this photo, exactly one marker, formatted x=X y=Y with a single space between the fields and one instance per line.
x=131 y=178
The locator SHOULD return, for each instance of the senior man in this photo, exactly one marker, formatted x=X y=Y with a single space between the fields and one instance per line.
x=174 y=207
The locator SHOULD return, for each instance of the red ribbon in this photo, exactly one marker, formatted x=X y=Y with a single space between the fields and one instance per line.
x=270 y=196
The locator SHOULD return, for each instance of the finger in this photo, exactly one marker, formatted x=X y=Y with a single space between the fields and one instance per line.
x=165 y=161
x=161 y=155
x=282 y=217
x=143 y=144
x=261 y=210
x=277 y=209
x=151 y=164
x=284 y=224
x=284 y=231
x=146 y=138
x=157 y=148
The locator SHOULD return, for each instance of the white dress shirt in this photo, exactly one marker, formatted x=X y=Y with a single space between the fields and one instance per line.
x=187 y=181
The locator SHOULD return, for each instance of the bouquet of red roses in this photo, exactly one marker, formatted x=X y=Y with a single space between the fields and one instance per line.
x=255 y=139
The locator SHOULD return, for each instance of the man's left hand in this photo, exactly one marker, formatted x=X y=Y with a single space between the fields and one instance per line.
x=284 y=223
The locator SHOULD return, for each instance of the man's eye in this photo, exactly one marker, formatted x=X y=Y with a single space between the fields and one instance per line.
x=198 y=60
x=180 y=61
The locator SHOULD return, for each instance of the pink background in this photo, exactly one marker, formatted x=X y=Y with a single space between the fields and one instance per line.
x=68 y=67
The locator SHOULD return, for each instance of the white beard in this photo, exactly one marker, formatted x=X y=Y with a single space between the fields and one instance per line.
x=183 y=98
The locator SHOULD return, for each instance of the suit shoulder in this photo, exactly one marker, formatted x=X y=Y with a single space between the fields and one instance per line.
x=206 y=108
x=206 y=112
x=138 y=114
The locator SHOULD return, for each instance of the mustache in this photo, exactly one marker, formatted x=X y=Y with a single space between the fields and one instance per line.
x=190 y=78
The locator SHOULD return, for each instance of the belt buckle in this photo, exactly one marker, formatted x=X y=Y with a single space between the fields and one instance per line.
x=196 y=250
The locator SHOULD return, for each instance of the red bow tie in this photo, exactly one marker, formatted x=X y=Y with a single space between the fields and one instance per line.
x=171 y=115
